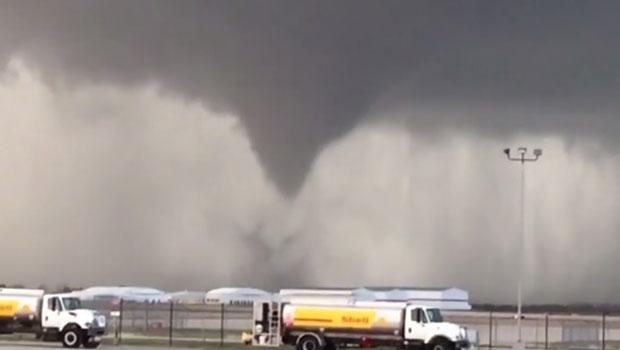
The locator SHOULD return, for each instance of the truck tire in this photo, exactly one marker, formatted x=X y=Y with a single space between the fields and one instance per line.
x=91 y=343
x=441 y=344
x=71 y=338
x=308 y=342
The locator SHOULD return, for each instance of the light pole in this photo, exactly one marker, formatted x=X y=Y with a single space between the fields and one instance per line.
x=522 y=157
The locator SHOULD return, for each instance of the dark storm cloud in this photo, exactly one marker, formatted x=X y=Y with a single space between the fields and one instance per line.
x=381 y=122
x=302 y=73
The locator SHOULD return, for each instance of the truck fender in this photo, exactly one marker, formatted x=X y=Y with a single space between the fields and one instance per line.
x=71 y=325
x=436 y=338
x=311 y=334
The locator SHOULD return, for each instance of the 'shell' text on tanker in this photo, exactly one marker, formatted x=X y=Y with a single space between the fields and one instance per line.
x=355 y=320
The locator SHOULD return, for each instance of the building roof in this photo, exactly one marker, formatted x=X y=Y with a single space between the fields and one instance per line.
x=238 y=290
x=446 y=298
x=389 y=288
x=319 y=288
x=374 y=288
x=233 y=295
x=126 y=293
x=188 y=296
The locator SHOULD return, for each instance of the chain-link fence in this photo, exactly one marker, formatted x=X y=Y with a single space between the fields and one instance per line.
x=542 y=331
x=195 y=324
x=175 y=323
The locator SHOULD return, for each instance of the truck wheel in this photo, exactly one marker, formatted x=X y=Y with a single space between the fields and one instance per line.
x=441 y=344
x=71 y=338
x=308 y=342
x=91 y=343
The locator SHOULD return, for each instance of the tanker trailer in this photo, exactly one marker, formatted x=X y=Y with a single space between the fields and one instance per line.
x=53 y=317
x=360 y=324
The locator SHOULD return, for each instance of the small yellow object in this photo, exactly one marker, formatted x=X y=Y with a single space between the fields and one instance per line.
x=246 y=338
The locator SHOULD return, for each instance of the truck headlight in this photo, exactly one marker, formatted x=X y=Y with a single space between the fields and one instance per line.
x=462 y=333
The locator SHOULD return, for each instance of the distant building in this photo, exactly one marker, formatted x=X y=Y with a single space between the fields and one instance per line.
x=444 y=298
x=135 y=294
x=188 y=297
x=315 y=296
x=236 y=296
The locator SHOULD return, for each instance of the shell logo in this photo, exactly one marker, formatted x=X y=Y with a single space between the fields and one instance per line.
x=381 y=322
x=8 y=307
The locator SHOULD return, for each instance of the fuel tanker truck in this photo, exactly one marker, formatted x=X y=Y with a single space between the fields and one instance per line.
x=359 y=324
x=52 y=317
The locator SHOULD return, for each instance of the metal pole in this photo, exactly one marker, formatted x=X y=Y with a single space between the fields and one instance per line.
x=170 y=327
x=120 y=320
x=546 y=331
x=604 y=326
x=204 y=325
x=222 y=325
x=521 y=241
x=491 y=330
x=520 y=250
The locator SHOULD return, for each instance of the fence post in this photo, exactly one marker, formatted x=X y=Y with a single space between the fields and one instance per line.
x=222 y=325
x=170 y=326
x=146 y=316
x=490 y=329
x=546 y=331
x=204 y=324
x=120 y=320
x=604 y=326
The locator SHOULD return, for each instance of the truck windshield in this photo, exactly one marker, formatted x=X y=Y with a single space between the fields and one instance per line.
x=71 y=303
x=434 y=315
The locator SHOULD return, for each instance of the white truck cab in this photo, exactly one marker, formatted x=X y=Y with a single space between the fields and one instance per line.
x=426 y=326
x=63 y=318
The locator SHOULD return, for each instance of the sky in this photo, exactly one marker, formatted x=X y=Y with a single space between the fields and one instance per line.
x=199 y=144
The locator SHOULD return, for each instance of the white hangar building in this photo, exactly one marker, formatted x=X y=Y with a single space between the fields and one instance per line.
x=135 y=294
x=443 y=298
x=237 y=296
x=188 y=297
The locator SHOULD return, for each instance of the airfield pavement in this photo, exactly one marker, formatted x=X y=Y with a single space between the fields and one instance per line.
x=27 y=345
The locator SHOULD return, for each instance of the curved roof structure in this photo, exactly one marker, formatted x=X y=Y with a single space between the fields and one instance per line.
x=138 y=294
x=444 y=298
x=236 y=295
